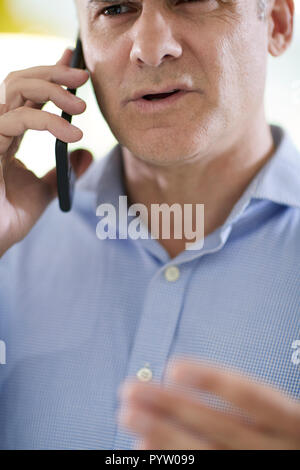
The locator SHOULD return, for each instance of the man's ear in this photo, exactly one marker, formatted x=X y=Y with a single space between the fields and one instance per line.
x=281 y=26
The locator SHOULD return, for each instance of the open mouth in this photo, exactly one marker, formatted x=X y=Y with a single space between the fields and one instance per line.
x=159 y=96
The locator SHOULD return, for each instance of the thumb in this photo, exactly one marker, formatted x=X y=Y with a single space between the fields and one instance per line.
x=65 y=58
x=81 y=159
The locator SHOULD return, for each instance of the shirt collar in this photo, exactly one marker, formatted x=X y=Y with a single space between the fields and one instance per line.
x=104 y=177
x=277 y=181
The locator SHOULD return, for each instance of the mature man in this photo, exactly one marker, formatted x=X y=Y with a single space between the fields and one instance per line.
x=141 y=343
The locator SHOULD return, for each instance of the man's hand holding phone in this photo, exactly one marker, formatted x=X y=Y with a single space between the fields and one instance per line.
x=24 y=196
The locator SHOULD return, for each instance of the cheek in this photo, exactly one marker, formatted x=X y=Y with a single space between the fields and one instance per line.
x=107 y=64
x=101 y=47
x=99 y=51
x=251 y=64
x=234 y=67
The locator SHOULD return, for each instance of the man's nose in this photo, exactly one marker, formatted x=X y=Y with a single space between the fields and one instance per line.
x=154 y=41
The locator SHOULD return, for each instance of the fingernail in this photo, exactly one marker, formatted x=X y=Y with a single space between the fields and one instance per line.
x=76 y=129
x=76 y=98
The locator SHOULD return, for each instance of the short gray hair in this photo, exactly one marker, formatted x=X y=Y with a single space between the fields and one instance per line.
x=262 y=8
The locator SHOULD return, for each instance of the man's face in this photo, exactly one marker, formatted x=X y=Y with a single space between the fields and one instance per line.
x=217 y=48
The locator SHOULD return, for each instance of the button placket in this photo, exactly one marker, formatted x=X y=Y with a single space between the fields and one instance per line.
x=153 y=339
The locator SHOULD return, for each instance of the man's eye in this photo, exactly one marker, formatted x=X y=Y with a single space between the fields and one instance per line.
x=115 y=10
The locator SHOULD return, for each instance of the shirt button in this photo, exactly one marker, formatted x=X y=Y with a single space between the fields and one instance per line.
x=172 y=273
x=144 y=374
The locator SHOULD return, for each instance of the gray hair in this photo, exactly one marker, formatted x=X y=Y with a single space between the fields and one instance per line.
x=262 y=8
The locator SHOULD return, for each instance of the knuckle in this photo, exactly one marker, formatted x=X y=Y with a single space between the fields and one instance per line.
x=42 y=90
x=39 y=72
x=12 y=78
x=59 y=120
x=63 y=93
x=24 y=116
x=4 y=109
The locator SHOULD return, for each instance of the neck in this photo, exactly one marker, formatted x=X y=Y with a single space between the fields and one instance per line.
x=217 y=181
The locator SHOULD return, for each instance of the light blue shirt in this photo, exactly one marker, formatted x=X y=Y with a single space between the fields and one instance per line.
x=79 y=315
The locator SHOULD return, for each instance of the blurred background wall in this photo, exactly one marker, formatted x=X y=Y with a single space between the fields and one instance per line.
x=33 y=33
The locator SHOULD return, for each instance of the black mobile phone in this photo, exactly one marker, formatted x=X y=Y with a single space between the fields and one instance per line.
x=65 y=173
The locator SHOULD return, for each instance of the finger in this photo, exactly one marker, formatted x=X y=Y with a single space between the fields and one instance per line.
x=195 y=417
x=270 y=408
x=50 y=179
x=159 y=433
x=64 y=60
x=81 y=159
x=40 y=91
x=60 y=74
x=16 y=122
x=192 y=414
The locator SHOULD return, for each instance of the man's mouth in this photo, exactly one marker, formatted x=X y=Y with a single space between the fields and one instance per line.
x=158 y=102
x=159 y=96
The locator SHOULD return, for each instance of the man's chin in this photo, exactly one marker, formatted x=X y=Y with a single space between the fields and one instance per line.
x=156 y=155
